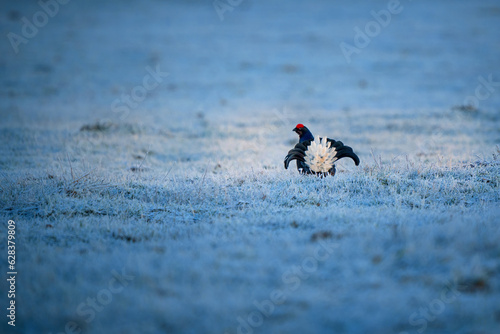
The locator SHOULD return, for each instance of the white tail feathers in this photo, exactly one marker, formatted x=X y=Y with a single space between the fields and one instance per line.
x=320 y=156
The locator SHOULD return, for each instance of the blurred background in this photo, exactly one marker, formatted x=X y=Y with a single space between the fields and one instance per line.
x=251 y=56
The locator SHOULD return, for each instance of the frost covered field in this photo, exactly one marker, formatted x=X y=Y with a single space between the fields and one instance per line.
x=142 y=161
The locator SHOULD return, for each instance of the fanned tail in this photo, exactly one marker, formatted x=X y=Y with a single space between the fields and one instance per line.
x=343 y=151
x=319 y=158
x=297 y=153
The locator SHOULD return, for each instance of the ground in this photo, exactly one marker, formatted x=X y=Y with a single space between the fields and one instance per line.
x=142 y=162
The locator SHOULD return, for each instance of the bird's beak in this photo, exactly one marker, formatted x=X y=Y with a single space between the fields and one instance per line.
x=295 y=130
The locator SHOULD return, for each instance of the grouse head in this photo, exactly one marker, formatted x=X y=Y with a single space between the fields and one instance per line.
x=303 y=132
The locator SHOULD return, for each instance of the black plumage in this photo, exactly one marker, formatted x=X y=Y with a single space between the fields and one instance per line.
x=300 y=152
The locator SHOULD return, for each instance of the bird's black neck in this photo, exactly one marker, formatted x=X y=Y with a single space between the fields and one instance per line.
x=306 y=136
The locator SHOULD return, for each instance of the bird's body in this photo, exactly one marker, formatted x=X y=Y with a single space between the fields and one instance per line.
x=317 y=156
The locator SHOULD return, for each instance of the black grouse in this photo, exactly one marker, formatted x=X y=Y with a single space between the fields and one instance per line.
x=317 y=156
